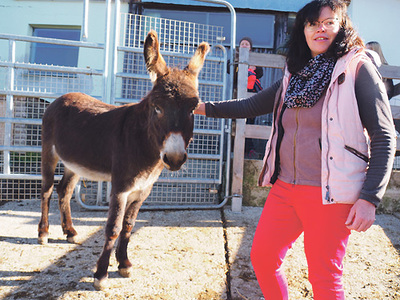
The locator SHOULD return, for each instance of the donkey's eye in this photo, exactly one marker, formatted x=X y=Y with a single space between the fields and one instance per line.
x=157 y=110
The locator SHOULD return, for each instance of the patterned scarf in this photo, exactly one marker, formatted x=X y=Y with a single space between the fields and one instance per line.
x=307 y=86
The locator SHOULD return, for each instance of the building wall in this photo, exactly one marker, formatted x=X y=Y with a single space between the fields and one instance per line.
x=379 y=21
x=17 y=16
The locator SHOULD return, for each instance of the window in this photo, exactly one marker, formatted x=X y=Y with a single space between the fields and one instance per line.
x=51 y=54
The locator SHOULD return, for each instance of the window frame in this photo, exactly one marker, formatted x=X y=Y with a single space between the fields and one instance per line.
x=50 y=54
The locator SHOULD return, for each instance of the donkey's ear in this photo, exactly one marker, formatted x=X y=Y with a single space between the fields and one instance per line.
x=197 y=61
x=155 y=63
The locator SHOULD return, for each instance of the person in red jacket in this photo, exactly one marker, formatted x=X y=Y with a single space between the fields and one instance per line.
x=254 y=73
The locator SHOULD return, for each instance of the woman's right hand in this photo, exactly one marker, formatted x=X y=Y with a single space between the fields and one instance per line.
x=200 y=109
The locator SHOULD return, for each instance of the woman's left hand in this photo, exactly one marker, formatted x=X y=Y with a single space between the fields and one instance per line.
x=361 y=216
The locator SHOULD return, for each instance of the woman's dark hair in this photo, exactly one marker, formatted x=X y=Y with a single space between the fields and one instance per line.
x=299 y=53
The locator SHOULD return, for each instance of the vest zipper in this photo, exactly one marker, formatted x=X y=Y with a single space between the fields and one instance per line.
x=327 y=195
x=294 y=146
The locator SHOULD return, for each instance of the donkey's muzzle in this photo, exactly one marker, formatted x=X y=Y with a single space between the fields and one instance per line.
x=174 y=153
x=173 y=162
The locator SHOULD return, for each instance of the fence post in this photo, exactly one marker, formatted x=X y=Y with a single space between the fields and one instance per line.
x=238 y=152
x=9 y=108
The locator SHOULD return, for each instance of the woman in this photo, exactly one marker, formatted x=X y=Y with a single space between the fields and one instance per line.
x=376 y=47
x=254 y=73
x=330 y=152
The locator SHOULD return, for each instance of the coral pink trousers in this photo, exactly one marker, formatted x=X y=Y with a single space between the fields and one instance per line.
x=289 y=211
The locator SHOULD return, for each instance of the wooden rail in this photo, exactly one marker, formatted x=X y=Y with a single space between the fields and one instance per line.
x=243 y=130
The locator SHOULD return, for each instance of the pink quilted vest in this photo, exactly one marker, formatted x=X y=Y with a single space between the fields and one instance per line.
x=344 y=141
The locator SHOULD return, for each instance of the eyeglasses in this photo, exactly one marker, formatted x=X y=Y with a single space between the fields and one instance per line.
x=328 y=24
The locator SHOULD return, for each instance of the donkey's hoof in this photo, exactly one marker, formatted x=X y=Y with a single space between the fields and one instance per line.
x=43 y=240
x=100 y=284
x=125 y=272
x=72 y=239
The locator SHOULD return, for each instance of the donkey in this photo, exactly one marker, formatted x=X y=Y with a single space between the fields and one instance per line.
x=128 y=145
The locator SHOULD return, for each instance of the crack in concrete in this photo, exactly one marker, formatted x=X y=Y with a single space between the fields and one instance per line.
x=228 y=272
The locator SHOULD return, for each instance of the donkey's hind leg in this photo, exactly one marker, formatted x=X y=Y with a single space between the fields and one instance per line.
x=49 y=163
x=65 y=190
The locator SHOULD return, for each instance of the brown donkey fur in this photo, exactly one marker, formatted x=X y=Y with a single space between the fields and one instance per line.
x=128 y=145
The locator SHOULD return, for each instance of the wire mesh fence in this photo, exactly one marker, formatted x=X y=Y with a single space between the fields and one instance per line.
x=173 y=35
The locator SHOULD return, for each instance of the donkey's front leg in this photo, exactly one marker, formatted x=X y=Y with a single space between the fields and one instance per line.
x=116 y=213
x=125 y=266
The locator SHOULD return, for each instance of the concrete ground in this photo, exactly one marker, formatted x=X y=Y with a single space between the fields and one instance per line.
x=177 y=255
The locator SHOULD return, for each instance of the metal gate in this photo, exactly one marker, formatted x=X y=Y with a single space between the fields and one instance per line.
x=26 y=89
x=200 y=180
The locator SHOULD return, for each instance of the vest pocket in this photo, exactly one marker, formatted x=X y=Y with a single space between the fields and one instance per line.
x=357 y=153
